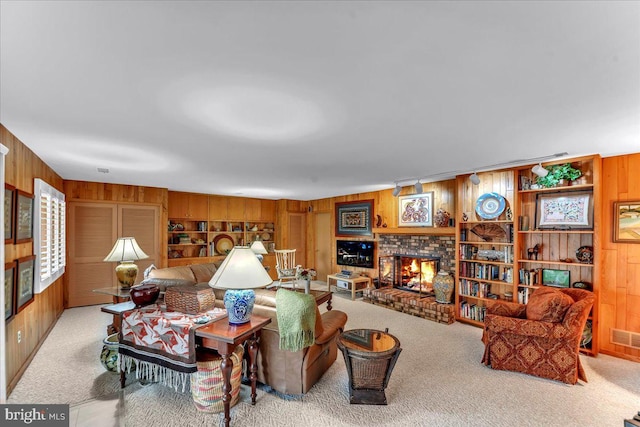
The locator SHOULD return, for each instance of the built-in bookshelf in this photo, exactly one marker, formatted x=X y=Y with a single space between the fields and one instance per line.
x=485 y=247
x=555 y=252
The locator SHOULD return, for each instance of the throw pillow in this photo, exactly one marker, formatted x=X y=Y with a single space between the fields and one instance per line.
x=548 y=305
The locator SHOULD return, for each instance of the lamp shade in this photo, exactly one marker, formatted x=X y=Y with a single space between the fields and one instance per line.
x=239 y=273
x=258 y=247
x=126 y=249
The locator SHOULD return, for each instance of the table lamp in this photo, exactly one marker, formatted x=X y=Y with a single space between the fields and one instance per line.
x=258 y=248
x=125 y=251
x=239 y=273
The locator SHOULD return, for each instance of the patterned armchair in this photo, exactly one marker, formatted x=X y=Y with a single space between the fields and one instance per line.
x=541 y=338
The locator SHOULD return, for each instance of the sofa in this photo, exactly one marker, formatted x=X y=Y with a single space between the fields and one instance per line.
x=290 y=373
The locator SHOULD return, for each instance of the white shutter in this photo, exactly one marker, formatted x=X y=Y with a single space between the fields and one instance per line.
x=49 y=240
x=45 y=237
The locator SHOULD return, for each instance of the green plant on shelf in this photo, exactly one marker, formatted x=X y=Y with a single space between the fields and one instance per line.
x=557 y=173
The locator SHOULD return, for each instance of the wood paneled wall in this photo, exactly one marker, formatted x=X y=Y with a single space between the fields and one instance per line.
x=37 y=319
x=386 y=206
x=97 y=191
x=620 y=288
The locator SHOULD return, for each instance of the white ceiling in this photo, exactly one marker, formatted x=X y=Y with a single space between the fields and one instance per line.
x=306 y=100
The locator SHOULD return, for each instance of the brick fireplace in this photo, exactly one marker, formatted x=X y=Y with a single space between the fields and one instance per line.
x=439 y=247
x=408 y=272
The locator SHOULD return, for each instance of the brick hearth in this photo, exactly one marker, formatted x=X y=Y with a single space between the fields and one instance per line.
x=411 y=303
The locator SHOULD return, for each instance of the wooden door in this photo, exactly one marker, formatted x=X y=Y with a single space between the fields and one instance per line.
x=322 y=251
x=297 y=229
x=141 y=222
x=93 y=229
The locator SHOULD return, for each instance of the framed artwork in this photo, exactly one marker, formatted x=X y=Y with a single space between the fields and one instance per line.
x=565 y=210
x=9 y=291
x=626 y=222
x=354 y=218
x=555 y=278
x=416 y=210
x=24 y=280
x=24 y=217
x=9 y=211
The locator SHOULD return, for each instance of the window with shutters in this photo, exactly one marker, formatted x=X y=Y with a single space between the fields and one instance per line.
x=49 y=243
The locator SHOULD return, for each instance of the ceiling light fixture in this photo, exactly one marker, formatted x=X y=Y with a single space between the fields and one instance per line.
x=396 y=190
x=475 y=179
x=539 y=170
x=418 y=187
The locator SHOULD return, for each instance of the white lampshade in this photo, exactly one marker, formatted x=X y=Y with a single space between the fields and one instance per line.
x=126 y=249
x=240 y=270
x=258 y=247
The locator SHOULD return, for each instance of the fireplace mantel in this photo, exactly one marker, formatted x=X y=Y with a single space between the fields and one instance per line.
x=433 y=231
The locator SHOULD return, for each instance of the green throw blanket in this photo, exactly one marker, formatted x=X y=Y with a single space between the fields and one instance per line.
x=296 y=313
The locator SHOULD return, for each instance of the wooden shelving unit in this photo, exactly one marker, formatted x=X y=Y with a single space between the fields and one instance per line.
x=558 y=247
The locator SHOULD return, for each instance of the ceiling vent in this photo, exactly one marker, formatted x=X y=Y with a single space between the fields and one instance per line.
x=625 y=338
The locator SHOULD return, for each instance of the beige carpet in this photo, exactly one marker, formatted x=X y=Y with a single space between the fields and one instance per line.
x=438 y=381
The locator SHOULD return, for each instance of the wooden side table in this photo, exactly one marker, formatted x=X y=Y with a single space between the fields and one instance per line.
x=355 y=284
x=116 y=310
x=224 y=338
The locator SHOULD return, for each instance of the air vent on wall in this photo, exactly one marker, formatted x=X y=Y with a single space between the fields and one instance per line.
x=625 y=338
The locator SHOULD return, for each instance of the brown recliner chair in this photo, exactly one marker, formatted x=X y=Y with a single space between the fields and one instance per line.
x=541 y=338
x=293 y=372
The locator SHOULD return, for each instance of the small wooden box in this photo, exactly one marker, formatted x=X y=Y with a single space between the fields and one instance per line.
x=189 y=299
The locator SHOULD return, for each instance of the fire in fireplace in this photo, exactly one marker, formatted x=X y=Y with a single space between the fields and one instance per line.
x=409 y=272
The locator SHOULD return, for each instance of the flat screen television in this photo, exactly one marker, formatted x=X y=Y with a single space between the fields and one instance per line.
x=356 y=253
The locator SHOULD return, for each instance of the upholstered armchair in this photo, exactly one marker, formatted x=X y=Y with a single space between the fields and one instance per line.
x=541 y=338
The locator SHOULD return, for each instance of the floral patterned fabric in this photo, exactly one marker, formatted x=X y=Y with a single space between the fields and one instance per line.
x=548 y=305
x=544 y=349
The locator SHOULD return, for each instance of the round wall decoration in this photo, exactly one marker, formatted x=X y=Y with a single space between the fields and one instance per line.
x=490 y=205
x=584 y=254
x=223 y=244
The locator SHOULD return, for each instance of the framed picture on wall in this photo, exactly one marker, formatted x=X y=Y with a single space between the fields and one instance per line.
x=416 y=210
x=24 y=217
x=354 y=218
x=565 y=210
x=25 y=282
x=626 y=222
x=9 y=291
x=9 y=211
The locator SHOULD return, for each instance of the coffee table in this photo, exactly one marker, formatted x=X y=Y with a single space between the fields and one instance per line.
x=370 y=356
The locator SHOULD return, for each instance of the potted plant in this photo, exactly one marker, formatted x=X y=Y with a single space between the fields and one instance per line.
x=558 y=173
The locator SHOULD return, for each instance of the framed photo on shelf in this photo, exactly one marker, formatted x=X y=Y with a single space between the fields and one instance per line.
x=354 y=218
x=416 y=210
x=555 y=278
x=569 y=210
x=25 y=282
x=9 y=211
x=626 y=222
x=24 y=217
x=9 y=291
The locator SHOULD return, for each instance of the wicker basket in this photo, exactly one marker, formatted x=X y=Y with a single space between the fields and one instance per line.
x=206 y=383
x=189 y=299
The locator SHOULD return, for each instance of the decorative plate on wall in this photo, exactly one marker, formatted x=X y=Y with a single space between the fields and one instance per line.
x=490 y=205
x=223 y=244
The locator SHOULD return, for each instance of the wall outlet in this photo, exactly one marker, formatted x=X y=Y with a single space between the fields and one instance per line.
x=19 y=336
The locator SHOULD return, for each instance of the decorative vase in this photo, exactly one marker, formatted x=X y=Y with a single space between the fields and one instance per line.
x=441 y=218
x=443 y=287
x=307 y=286
x=109 y=354
x=143 y=295
x=239 y=304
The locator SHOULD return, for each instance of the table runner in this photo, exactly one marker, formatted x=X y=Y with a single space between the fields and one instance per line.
x=161 y=344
